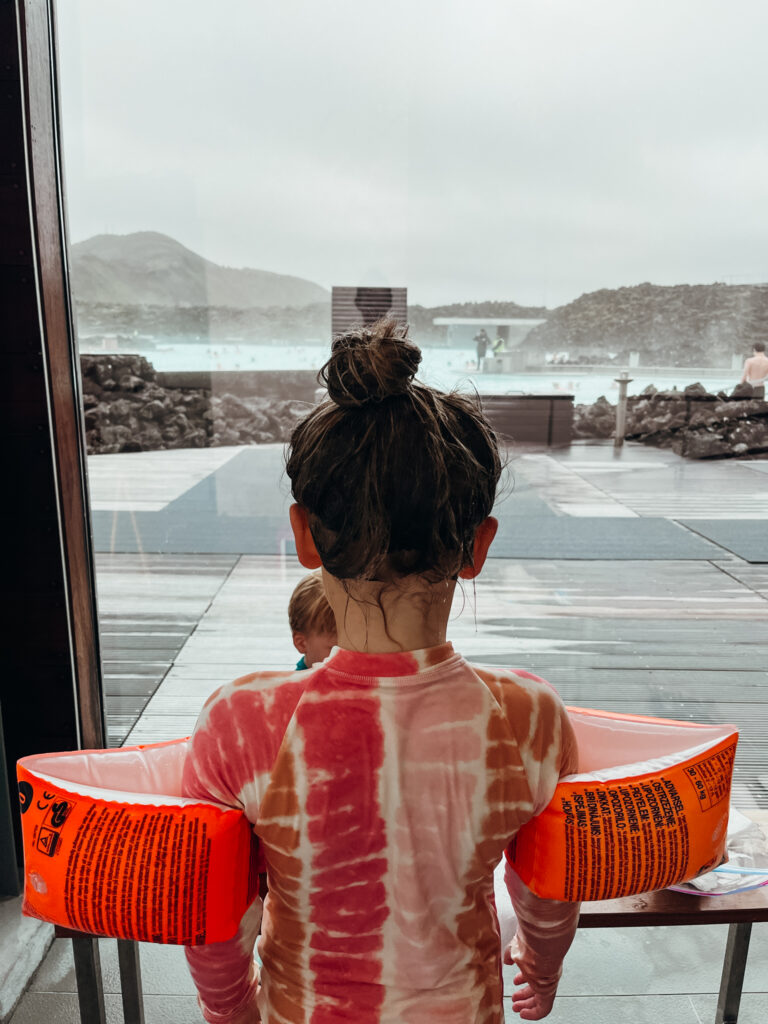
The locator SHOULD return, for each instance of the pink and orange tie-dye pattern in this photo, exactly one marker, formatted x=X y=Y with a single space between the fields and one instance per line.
x=384 y=790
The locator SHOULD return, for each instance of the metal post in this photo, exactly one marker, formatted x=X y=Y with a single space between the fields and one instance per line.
x=130 y=981
x=734 y=964
x=90 y=991
x=621 y=408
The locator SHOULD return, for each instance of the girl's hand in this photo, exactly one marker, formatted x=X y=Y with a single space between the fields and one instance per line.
x=531 y=1005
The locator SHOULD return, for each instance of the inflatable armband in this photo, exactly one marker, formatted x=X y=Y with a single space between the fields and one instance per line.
x=648 y=809
x=112 y=848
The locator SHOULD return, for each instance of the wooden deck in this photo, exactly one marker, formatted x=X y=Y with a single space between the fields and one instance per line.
x=149 y=606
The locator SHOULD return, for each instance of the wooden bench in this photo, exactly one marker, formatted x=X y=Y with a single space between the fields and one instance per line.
x=665 y=908
x=90 y=989
x=675 y=908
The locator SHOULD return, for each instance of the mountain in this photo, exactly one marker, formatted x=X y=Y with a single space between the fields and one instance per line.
x=147 y=268
x=150 y=283
x=683 y=325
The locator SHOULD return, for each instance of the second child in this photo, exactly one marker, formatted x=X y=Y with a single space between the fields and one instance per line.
x=313 y=627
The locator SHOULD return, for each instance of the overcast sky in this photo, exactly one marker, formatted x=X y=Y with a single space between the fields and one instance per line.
x=507 y=149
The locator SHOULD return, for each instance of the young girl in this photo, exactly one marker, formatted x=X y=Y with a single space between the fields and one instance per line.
x=385 y=783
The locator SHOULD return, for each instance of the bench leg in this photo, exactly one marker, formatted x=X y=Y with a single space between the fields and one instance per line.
x=130 y=981
x=735 y=962
x=90 y=992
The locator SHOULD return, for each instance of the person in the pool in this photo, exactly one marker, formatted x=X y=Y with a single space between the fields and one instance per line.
x=756 y=370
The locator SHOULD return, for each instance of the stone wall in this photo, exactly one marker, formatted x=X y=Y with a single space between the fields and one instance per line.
x=693 y=422
x=130 y=408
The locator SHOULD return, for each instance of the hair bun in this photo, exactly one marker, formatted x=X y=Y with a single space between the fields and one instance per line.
x=370 y=364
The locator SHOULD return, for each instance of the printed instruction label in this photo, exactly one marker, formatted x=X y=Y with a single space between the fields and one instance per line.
x=181 y=873
x=711 y=777
x=635 y=832
x=145 y=871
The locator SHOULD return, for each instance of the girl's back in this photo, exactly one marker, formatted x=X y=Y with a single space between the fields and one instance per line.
x=384 y=785
x=383 y=789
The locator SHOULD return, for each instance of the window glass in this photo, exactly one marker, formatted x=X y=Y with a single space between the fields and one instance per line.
x=566 y=203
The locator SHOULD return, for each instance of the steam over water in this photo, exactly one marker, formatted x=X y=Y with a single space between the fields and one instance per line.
x=441 y=367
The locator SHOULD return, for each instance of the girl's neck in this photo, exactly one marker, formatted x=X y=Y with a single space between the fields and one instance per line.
x=380 y=618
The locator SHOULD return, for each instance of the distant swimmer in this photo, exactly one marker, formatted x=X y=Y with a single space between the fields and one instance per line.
x=756 y=370
x=482 y=341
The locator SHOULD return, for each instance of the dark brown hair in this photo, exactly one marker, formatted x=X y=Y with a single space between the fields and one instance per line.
x=395 y=476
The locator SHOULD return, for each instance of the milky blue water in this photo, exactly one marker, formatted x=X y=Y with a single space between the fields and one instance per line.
x=441 y=367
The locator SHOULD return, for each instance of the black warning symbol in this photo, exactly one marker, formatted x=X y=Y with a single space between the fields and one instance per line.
x=47 y=841
x=26 y=796
x=59 y=812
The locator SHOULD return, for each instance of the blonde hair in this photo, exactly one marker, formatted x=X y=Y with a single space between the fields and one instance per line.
x=308 y=609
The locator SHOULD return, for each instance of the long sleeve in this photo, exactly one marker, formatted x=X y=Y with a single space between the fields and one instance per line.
x=545 y=931
x=545 y=928
x=224 y=973
x=226 y=976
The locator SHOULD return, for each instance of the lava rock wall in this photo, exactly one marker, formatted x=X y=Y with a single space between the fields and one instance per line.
x=128 y=409
x=693 y=422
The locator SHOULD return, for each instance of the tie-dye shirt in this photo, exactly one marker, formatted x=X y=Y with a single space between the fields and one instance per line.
x=384 y=789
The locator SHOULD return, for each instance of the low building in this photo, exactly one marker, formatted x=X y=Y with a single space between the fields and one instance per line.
x=507 y=335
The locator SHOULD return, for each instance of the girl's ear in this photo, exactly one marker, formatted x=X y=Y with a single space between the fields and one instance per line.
x=305 y=544
x=486 y=531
